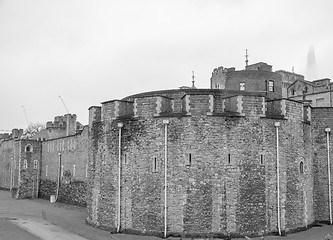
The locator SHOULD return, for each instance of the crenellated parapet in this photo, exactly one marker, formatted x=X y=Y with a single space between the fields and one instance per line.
x=201 y=103
x=289 y=109
x=116 y=108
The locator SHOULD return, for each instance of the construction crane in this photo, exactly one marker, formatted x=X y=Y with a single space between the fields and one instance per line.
x=64 y=104
x=26 y=116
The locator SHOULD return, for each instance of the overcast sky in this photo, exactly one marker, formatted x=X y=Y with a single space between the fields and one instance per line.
x=93 y=51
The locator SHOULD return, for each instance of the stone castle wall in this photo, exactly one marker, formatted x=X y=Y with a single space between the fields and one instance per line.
x=222 y=155
x=322 y=119
x=6 y=168
x=72 y=151
x=221 y=167
x=31 y=167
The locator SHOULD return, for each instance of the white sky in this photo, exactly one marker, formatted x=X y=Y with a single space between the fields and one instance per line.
x=93 y=51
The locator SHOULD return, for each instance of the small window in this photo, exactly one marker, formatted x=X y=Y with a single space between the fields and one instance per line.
x=242 y=86
x=301 y=167
x=87 y=170
x=46 y=170
x=229 y=158
x=188 y=159
x=154 y=165
x=62 y=171
x=25 y=164
x=125 y=158
x=262 y=160
x=35 y=164
x=271 y=86
x=74 y=170
x=28 y=148
x=305 y=89
x=292 y=92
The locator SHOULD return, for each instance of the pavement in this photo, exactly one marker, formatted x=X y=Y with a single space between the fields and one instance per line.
x=34 y=219
x=38 y=219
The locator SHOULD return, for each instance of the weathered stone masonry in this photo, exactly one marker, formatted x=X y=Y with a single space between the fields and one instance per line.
x=221 y=165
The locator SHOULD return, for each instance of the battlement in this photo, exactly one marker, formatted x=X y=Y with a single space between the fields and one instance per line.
x=62 y=126
x=5 y=136
x=201 y=103
x=221 y=70
x=288 y=109
x=261 y=66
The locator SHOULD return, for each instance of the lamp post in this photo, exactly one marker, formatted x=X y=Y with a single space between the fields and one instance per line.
x=277 y=125
x=120 y=125
x=165 y=122
x=328 y=130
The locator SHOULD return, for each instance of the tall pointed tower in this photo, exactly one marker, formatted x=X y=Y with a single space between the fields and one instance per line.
x=311 y=65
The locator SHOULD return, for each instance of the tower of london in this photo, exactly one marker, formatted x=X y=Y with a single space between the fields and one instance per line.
x=243 y=157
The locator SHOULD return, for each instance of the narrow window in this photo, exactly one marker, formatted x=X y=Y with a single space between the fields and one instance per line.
x=188 y=159
x=35 y=164
x=229 y=158
x=87 y=170
x=301 y=167
x=292 y=92
x=154 y=165
x=242 y=86
x=25 y=164
x=46 y=170
x=74 y=170
x=62 y=171
x=262 y=159
x=271 y=86
x=125 y=158
x=305 y=90
x=48 y=147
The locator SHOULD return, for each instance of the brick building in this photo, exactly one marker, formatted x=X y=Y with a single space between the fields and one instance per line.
x=31 y=166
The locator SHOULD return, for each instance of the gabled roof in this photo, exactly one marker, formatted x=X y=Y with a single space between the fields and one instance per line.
x=304 y=81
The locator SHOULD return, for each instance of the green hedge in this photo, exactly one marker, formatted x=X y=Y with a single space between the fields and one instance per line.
x=70 y=193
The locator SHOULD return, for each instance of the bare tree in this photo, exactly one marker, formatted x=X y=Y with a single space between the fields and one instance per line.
x=33 y=129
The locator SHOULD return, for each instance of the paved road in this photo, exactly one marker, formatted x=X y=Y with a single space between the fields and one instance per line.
x=70 y=220
x=10 y=231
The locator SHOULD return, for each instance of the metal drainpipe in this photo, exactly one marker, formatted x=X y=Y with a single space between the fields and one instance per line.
x=11 y=174
x=120 y=125
x=277 y=125
x=327 y=130
x=165 y=122
x=37 y=179
x=59 y=176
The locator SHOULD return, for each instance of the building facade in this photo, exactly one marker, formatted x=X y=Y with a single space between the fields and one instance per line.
x=54 y=160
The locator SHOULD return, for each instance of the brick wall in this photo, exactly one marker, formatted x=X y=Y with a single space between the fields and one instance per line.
x=29 y=167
